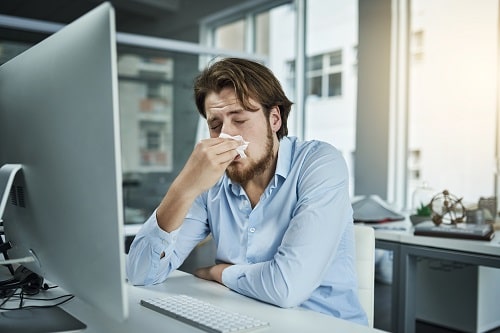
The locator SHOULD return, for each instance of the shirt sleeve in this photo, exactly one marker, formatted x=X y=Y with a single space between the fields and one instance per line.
x=144 y=264
x=311 y=241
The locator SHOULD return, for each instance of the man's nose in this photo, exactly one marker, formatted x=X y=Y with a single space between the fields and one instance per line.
x=228 y=129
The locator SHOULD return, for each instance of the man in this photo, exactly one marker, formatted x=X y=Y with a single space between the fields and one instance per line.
x=280 y=217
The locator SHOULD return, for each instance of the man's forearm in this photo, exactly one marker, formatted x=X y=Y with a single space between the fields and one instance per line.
x=212 y=273
x=174 y=207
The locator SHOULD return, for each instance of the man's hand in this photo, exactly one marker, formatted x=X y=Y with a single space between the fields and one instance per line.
x=207 y=163
x=211 y=273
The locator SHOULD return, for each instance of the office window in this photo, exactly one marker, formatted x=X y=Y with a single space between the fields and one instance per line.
x=153 y=152
x=315 y=64
x=231 y=36
x=324 y=75
x=332 y=33
x=330 y=77
x=335 y=58
x=417 y=44
x=334 y=84
x=452 y=101
x=290 y=73
x=262 y=33
x=253 y=29
x=235 y=36
x=146 y=96
x=315 y=76
x=265 y=32
x=354 y=59
x=154 y=140
x=414 y=166
x=334 y=70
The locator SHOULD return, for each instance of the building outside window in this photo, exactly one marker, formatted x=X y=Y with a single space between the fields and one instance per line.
x=452 y=104
x=324 y=75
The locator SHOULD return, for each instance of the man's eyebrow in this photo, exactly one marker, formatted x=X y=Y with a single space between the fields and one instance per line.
x=236 y=111
x=232 y=112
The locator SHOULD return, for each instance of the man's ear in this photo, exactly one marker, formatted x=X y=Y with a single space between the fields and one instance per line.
x=275 y=119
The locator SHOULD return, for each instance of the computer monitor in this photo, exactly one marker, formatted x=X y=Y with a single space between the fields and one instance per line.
x=59 y=119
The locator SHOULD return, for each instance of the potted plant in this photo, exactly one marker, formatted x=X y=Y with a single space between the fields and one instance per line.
x=424 y=213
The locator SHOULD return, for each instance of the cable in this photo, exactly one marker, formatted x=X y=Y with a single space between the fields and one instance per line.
x=7 y=298
x=21 y=307
x=21 y=297
x=48 y=299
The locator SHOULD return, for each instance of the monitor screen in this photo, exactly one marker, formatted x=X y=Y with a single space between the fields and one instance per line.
x=59 y=120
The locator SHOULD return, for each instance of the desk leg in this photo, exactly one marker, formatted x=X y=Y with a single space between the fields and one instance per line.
x=396 y=319
x=407 y=291
x=396 y=283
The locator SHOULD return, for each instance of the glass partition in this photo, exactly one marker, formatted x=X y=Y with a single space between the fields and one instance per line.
x=159 y=122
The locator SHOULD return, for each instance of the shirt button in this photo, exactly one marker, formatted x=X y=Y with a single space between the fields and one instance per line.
x=251 y=229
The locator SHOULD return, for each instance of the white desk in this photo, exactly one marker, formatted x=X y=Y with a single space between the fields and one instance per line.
x=407 y=248
x=142 y=319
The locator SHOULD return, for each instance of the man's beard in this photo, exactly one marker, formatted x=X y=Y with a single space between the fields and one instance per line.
x=256 y=167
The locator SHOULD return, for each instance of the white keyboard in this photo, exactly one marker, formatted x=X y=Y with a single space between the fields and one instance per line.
x=203 y=315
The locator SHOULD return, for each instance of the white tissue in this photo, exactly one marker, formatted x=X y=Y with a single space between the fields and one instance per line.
x=239 y=149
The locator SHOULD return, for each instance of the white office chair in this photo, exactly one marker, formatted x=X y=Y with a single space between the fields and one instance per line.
x=365 y=266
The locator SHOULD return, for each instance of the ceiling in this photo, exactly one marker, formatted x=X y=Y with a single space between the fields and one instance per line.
x=162 y=18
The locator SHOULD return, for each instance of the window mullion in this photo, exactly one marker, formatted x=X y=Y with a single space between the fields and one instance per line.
x=250 y=33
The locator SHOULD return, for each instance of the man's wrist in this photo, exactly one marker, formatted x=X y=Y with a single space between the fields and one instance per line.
x=217 y=270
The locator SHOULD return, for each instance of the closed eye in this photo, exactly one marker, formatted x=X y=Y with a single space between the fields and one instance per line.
x=214 y=124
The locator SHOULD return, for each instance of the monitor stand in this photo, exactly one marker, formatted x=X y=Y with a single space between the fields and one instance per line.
x=4 y=247
x=39 y=320
x=7 y=174
x=32 y=319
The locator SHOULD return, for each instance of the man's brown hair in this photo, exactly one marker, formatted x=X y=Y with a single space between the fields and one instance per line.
x=249 y=79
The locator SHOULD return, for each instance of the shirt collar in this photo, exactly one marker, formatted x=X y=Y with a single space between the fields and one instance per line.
x=284 y=157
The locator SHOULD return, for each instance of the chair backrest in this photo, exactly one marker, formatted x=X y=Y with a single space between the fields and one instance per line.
x=365 y=266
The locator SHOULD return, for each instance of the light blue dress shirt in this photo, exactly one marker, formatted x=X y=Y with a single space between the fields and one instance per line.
x=294 y=248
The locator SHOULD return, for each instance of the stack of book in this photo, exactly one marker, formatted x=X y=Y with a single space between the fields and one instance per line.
x=460 y=230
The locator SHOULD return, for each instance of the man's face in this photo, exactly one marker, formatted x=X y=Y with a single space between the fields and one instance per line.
x=226 y=115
